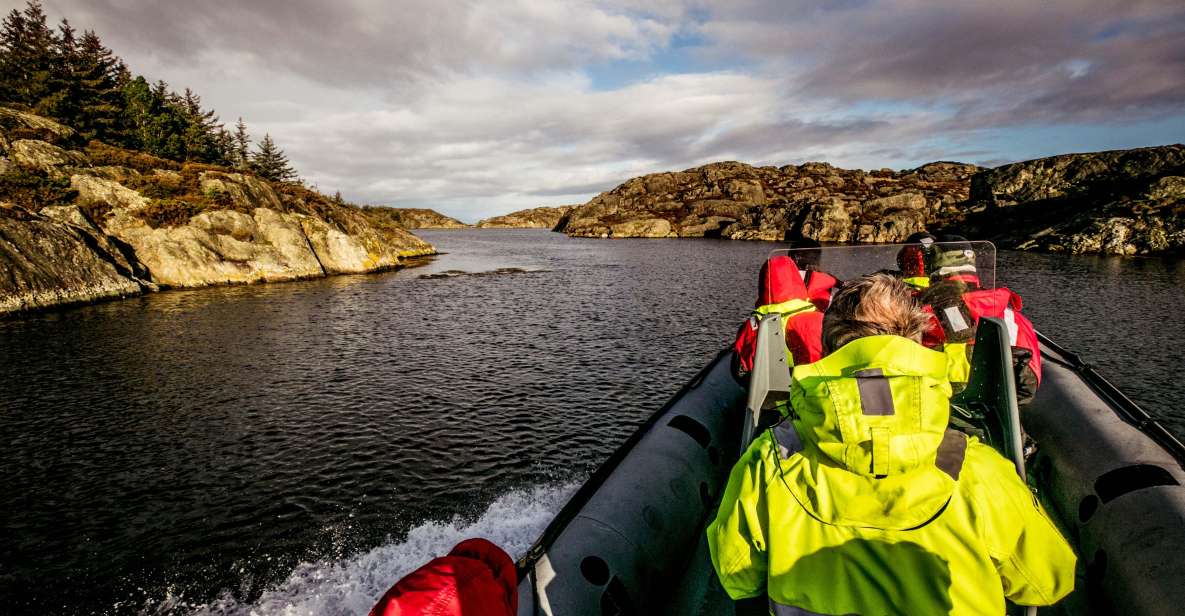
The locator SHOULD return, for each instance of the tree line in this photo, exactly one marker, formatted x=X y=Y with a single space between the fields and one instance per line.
x=75 y=79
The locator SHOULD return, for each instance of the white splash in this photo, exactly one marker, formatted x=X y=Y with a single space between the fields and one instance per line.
x=351 y=586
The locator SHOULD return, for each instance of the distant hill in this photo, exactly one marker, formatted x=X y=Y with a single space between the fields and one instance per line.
x=423 y=218
x=1121 y=202
x=534 y=218
x=734 y=200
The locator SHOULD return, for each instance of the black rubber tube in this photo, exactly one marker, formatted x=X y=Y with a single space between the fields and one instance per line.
x=590 y=487
x=1124 y=407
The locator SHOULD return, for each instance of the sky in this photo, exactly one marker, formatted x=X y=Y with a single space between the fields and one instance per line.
x=479 y=108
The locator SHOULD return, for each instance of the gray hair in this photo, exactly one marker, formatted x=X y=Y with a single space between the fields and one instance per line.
x=873 y=305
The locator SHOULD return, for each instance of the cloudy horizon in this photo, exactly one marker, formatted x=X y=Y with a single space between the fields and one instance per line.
x=477 y=109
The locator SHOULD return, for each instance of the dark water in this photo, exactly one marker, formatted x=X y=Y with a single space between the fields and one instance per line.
x=294 y=448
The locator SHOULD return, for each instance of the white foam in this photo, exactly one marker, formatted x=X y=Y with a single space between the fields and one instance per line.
x=351 y=586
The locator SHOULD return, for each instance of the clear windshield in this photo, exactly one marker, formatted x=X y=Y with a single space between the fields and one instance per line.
x=971 y=263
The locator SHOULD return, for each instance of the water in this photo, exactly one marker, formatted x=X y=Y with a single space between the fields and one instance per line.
x=295 y=448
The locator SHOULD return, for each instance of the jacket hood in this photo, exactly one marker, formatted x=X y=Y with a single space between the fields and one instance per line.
x=779 y=281
x=871 y=417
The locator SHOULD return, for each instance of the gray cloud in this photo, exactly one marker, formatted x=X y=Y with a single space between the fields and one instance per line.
x=477 y=108
x=992 y=62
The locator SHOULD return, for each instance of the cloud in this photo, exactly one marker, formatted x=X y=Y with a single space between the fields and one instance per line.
x=991 y=62
x=370 y=43
x=477 y=108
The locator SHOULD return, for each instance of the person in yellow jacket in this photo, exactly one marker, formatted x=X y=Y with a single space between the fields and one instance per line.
x=863 y=502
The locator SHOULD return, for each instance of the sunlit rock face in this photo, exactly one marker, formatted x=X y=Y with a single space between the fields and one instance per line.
x=86 y=232
x=422 y=218
x=1119 y=202
x=534 y=218
x=738 y=201
x=1123 y=202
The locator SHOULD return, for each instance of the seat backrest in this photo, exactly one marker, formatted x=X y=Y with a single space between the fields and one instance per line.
x=769 y=383
x=989 y=401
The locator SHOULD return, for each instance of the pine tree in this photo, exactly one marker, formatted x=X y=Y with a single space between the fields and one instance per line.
x=270 y=163
x=201 y=136
x=99 y=73
x=62 y=88
x=241 y=152
x=27 y=54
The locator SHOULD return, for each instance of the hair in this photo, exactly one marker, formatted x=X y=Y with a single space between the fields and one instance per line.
x=872 y=305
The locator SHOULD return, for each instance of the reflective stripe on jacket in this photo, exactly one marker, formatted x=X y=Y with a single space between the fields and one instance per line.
x=864 y=503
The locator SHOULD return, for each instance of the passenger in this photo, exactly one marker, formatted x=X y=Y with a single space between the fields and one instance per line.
x=957 y=300
x=862 y=502
x=476 y=577
x=780 y=289
x=913 y=258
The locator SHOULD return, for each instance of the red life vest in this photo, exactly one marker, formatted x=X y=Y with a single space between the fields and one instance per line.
x=1000 y=303
x=819 y=286
x=476 y=577
x=781 y=289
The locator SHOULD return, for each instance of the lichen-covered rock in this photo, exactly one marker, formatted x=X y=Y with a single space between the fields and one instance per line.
x=1120 y=202
x=650 y=227
x=534 y=218
x=126 y=265
x=47 y=263
x=45 y=157
x=14 y=123
x=423 y=218
x=738 y=201
x=96 y=189
x=245 y=191
x=202 y=227
x=221 y=247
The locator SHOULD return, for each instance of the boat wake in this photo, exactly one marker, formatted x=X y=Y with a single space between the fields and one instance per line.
x=351 y=586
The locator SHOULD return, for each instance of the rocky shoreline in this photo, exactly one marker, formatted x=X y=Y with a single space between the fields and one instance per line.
x=533 y=218
x=84 y=225
x=1123 y=202
x=423 y=218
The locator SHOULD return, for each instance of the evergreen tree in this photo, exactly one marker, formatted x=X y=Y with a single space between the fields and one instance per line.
x=270 y=163
x=98 y=75
x=202 y=140
x=241 y=153
x=156 y=123
x=27 y=55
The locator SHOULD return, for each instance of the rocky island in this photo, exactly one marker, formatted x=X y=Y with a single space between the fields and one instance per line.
x=1121 y=202
x=534 y=218
x=423 y=218
x=84 y=222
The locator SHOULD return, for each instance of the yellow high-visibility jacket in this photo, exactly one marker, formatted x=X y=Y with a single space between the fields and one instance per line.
x=864 y=503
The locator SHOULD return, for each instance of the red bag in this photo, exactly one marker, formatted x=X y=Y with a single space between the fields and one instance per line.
x=476 y=578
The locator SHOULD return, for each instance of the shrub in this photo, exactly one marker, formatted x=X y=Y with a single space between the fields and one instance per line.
x=34 y=191
x=96 y=210
x=102 y=154
x=171 y=212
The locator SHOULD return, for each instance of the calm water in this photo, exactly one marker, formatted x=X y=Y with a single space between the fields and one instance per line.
x=299 y=446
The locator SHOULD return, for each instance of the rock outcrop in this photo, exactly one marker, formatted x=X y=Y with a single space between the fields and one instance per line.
x=534 y=218
x=1120 y=202
x=47 y=262
x=83 y=232
x=738 y=201
x=423 y=218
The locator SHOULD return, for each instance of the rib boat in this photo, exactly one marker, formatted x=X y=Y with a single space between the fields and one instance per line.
x=632 y=541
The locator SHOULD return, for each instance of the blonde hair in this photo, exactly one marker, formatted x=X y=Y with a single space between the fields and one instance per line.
x=873 y=305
